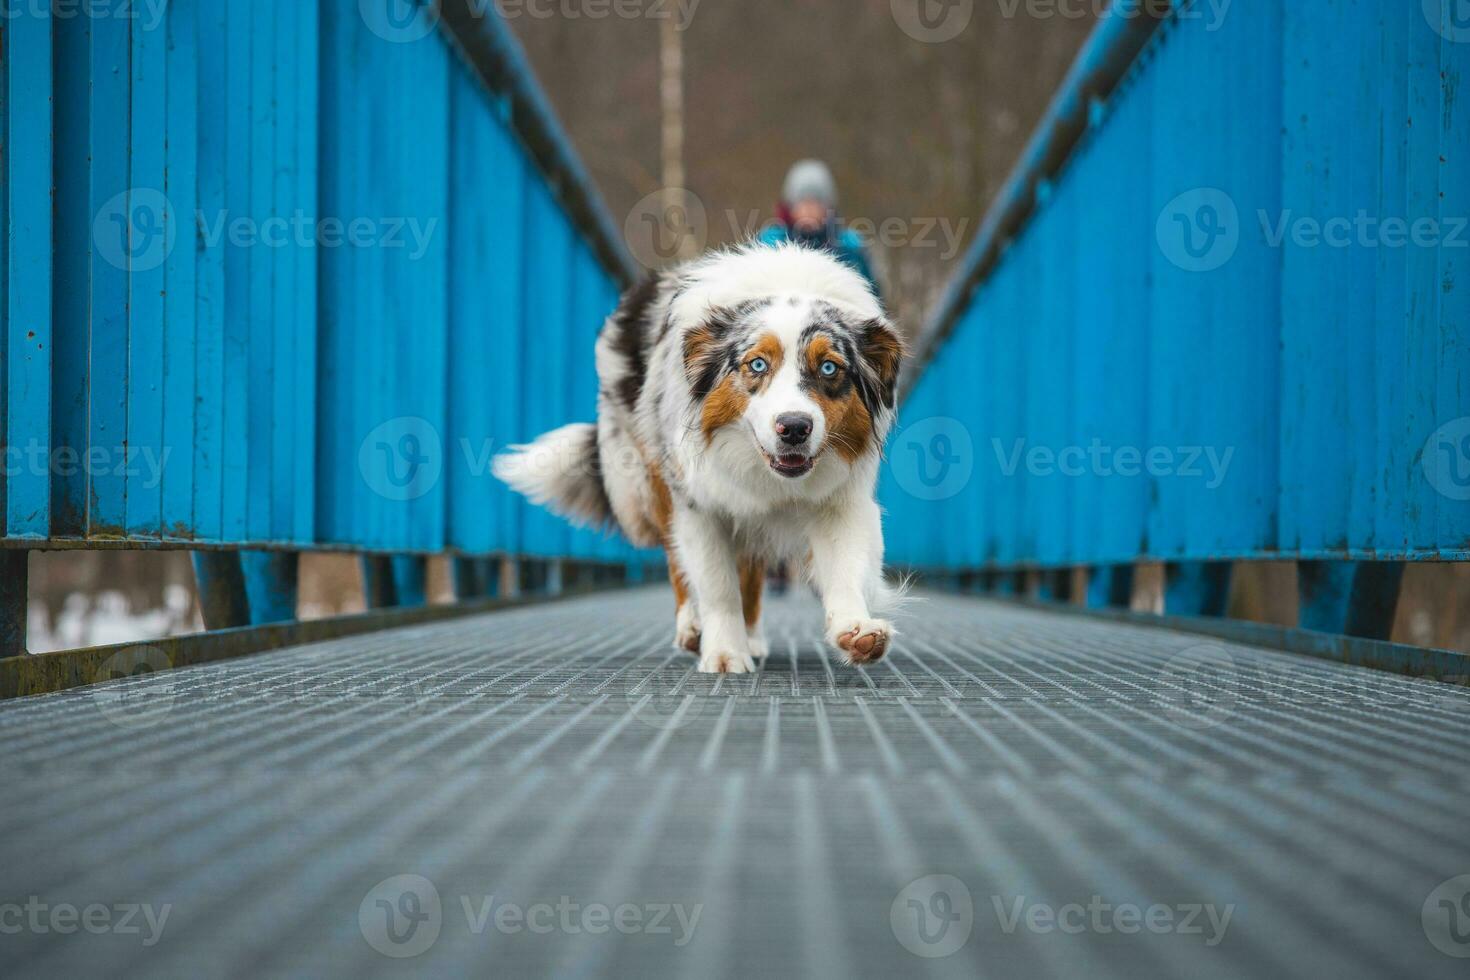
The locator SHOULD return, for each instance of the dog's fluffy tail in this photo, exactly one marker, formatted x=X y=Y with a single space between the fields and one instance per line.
x=562 y=470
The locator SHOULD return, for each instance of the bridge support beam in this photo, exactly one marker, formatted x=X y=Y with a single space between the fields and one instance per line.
x=1354 y=598
x=394 y=581
x=224 y=602
x=1197 y=588
x=476 y=578
x=1110 y=586
x=1010 y=583
x=1054 y=585
x=271 y=585
x=14 y=591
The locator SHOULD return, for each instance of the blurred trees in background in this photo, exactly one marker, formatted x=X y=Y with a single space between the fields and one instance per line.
x=924 y=133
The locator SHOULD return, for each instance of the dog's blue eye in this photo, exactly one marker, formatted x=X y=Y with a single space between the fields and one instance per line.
x=759 y=366
x=829 y=369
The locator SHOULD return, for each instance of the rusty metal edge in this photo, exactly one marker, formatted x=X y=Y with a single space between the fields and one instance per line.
x=1394 y=658
x=48 y=673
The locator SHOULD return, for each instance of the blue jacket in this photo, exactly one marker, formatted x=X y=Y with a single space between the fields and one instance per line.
x=848 y=247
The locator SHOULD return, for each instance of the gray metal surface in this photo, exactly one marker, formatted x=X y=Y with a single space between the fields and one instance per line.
x=1040 y=795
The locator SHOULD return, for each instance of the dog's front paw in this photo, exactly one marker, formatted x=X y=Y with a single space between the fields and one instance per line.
x=686 y=629
x=863 y=641
x=759 y=647
x=731 y=662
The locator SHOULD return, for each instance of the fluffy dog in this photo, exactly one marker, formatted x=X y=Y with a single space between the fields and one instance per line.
x=744 y=400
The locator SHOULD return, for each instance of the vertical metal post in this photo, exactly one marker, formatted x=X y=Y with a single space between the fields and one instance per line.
x=224 y=602
x=13 y=605
x=1197 y=588
x=1110 y=586
x=475 y=578
x=271 y=584
x=378 y=589
x=411 y=580
x=1375 y=599
x=1356 y=598
x=1055 y=585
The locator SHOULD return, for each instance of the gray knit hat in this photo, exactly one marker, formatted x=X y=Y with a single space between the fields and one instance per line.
x=810 y=180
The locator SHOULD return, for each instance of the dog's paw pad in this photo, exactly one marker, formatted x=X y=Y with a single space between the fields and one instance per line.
x=726 y=663
x=865 y=641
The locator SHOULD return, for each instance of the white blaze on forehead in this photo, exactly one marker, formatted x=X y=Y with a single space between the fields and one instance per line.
x=786 y=322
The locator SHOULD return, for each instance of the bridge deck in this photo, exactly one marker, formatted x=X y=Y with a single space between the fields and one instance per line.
x=567 y=754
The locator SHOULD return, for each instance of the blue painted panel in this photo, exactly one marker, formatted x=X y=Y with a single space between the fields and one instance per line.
x=546 y=357
x=72 y=287
x=1208 y=286
x=150 y=219
x=212 y=26
x=485 y=383
x=175 y=467
x=306 y=35
x=108 y=122
x=28 y=211
x=213 y=362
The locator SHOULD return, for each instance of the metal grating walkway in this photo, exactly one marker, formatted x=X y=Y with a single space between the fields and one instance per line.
x=1033 y=795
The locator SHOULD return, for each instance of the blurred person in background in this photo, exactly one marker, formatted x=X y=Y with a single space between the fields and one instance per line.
x=807 y=215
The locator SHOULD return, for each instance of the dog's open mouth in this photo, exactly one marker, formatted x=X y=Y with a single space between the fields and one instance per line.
x=791 y=464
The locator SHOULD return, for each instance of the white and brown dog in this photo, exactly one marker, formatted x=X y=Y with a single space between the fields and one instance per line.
x=744 y=402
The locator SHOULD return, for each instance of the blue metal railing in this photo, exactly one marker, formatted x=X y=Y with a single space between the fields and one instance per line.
x=271 y=273
x=1139 y=363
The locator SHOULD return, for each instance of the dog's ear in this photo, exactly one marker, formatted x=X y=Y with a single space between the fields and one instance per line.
x=883 y=350
x=704 y=353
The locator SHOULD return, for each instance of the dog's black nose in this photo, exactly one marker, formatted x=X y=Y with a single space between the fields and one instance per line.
x=794 y=428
